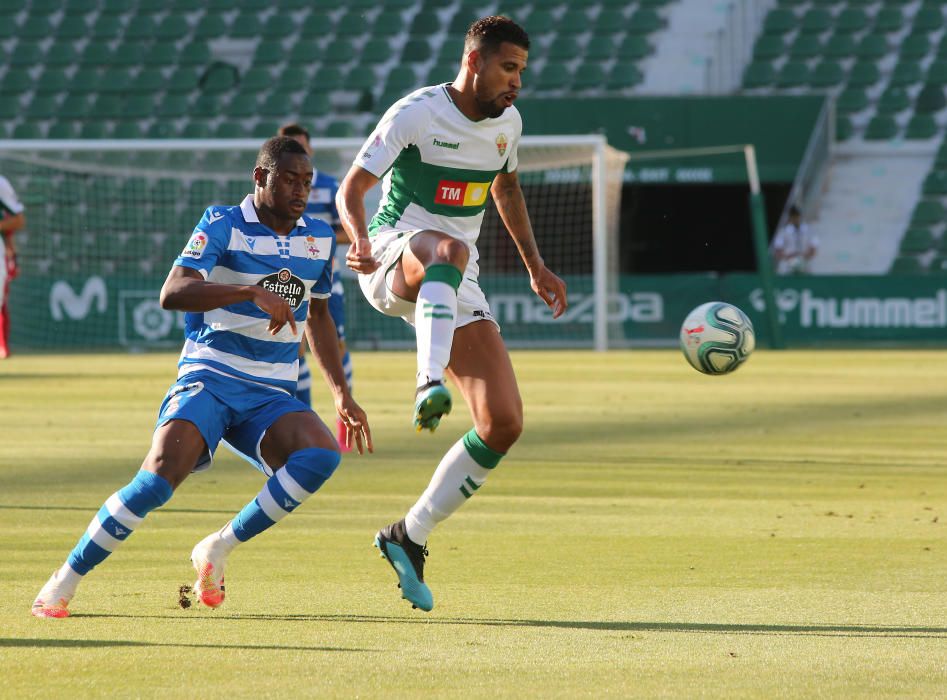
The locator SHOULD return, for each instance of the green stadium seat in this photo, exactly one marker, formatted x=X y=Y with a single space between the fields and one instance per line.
x=113 y=7
x=623 y=76
x=140 y=28
x=563 y=48
x=768 y=47
x=172 y=28
x=634 y=47
x=106 y=107
x=554 y=76
x=27 y=130
x=52 y=80
x=61 y=55
x=161 y=129
x=907 y=265
x=340 y=51
x=441 y=73
x=816 y=21
x=645 y=21
x=130 y=53
x=401 y=79
x=930 y=99
x=9 y=110
x=780 y=21
x=921 y=127
x=72 y=29
x=906 y=73
x=35 y=29
x=388 y=24
x=196 y=54
x=893 y=100
x=207 y=105
x=363 y=77
x=160 y=54
x=139 y=106
x=539 y=22
x=316 y=104
x=196 y=130
x=805 y=46
x=378 y=50
x=151 y=7
x=589 y=76
x=264 y=129
x=173 y=106
x=917 y=240
x=827 y=74
x=63 y=130
x=218 y=78
x=28 y=55
x=928 y=19
x=183 y=80
x=295 y=80
x=317 y=23
x=927 y=212
x=872 y=46
x=600 y=48
x=340 y=129
x=148 y=80
x=269 y=52
x=279 y=26
x=759 y=74
x=843 y=128
x=935 y=183
x=74 y=8
x=243 y=105
x=305 y=52
x=246 y=25
x=327 y=80
x=888 y=20
x=16 y=83
x=42 y=107
x=609 y=21
x=864 y=74
x=840 y=46
x=210 y=25
x=352 y=24
x=75 y=106
x=938 y=265
x=574 y=21
x=915 y=47
x=106 y=28
x=416 y=51
x=127 y=130
x=167 y=191
x=851 y=20
x=882 y=127
x=425 y=24
x=792 y=74
x=278 y=102
x=115 y=80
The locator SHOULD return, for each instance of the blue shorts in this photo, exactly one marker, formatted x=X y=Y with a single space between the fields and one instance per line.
x=229 y=409
x=337 y=304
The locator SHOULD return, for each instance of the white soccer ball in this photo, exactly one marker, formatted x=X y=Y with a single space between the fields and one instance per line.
x=717 y=337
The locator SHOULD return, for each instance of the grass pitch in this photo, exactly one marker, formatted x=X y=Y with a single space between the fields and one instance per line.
x=656 y=532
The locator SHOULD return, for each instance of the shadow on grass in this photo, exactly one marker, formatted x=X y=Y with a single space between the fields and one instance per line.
x=92 y=643
x=92 y=509
x=905 y=632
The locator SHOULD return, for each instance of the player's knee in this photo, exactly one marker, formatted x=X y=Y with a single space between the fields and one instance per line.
x=312 y=466
x=453 y=252
x=168 y=465
x=500 y=432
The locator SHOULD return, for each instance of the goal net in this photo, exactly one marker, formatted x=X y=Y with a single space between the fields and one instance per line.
x=106 y=219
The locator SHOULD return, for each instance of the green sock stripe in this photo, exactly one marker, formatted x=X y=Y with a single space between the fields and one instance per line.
x=466 y=493
x=428 y=306
x=430 y=314
x=472 y=484
x=448 y=274
x=477 y=448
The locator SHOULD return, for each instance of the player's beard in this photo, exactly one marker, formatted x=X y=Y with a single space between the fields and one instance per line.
x=490 y=108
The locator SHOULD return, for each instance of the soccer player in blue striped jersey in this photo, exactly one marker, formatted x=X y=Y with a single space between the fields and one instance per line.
x=249 y=278
x=321 y=205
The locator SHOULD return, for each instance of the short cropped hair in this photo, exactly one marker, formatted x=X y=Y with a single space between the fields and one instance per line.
x=274 y=148
x=293 y=129
x=486 y=34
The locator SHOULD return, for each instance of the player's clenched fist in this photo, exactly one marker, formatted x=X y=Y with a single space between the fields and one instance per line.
x=359 y=258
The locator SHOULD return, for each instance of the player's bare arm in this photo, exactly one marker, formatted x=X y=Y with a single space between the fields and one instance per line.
x=186 y=290
x=324 y=345
x=12 y=224
x=350 y=202
x=508 y=196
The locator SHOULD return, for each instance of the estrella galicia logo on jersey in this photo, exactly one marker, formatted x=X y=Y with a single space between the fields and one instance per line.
x=285 y=284
x=195 y=247
x=501 y=144
x=461 y=194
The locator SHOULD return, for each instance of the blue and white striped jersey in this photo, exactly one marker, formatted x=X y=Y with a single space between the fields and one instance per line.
x=321 y=204
x=231 y=246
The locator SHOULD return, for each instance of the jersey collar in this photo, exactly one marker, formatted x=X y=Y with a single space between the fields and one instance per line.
x=250 y=215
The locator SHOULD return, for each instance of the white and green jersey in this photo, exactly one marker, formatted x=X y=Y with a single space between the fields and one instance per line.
x=437 y=165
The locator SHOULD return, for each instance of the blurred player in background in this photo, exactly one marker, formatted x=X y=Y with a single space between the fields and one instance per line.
x=441 y=150
x=13 y=219
x=247 y=277
x=794 y=245
x=321 y=205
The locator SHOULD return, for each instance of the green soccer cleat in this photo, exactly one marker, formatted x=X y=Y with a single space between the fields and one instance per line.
x=432 y=401
x=407 y=559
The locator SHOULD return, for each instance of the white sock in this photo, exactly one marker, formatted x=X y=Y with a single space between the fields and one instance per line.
x=457 y=477
x=435 y=317
x=68 y=575
x=227 y=538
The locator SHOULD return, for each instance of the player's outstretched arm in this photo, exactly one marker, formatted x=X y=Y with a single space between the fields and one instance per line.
x=350 y=201
x=324 y=344
x=185 y=289
x=508 y=196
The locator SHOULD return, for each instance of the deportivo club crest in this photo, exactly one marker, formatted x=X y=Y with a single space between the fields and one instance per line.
x=285 y=284
x=501 y=144
x=312 y=250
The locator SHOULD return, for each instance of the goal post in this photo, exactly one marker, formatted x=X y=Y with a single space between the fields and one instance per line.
x=105 y=220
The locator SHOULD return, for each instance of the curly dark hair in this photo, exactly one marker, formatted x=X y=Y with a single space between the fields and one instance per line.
x=274 y=148
x=486 y=34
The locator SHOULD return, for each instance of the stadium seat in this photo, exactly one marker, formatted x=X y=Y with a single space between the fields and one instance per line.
x=35 y=28
x=843 y=128
x=907 y=72
x=928 y=19
x=425 y=24
x=915 y=47
x=623 y=76
x=196 y=53
x=888 y=20
x=340 y=51
x=71 y=29
x=609 y=21
x=540 y=22
x=768 y=47
x=851 y=20
x=42 y=107
x=554 y=76
x=172 y=27
x=938 y=265
x=210 y=26
x=127 y=130
x=601 y=48
x=115 y=80
x=917 y=240
x=161 y=129
x=927 y=213
x=589 y=76
x=634 y=47
x=15 y=82
x=340 y=129
x=881 y=128
x=269 y=52
x=935 y=183
x=378 y=50
x=574 y=21
x=138 y=107
x=52 y=80
x=759 y=74
x=61 y=55
x=907 y=265
x=183 y=80
x=930 y=99
x=140 y=27
x=792 y=74
x=388 y=24
x=840 y=46
x=173 y=106
x=893 y=100
x=645 y=21
x=218 y=78
x=304 y=52
x=316 y=104
x=74 y=106
x=805 y=46
x=873 y=46
x=416 y=50
x=196 y=130
x=780 y=21
x=279 y=26
x=352 y=24
x=361 y=77
x=26 y=55
x=827 y=74
x=230 y=130
x=937 y=72
x=816 y=21
x=921 y=126
x=27 y=130
x=864 y=74
x=563 y=48
x=149 y=80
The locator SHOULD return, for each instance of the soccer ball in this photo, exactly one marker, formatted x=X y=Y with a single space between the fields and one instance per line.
x=717 y=337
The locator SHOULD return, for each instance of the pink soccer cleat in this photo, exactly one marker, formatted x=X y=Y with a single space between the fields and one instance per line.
x=209 y=558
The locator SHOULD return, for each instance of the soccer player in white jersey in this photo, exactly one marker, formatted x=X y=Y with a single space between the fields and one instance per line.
x=246 y=278
x=12 y=219
x=440 y=151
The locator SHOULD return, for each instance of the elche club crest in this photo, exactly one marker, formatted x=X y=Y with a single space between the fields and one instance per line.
x=501 y=144
x=285 y=284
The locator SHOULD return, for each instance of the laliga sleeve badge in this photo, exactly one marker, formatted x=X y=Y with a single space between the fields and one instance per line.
x=195 y=247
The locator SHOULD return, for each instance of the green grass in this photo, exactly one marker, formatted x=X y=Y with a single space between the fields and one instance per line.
x=777 y=532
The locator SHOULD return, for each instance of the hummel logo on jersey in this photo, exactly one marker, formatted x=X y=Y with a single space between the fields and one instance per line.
x=214 y=217
x=461 y=194
x=445 y=144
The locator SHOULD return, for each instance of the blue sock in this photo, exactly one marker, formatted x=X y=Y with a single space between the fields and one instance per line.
x=305 y=471
x=117 y=519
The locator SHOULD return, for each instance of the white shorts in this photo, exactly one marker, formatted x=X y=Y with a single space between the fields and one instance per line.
x=387 y=247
